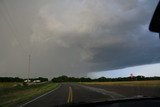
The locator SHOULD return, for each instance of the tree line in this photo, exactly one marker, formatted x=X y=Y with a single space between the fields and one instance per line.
x=64 y=78
x=17 y=79
x=102 y=79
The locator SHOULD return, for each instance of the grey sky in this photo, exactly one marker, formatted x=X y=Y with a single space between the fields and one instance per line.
x=75 y=37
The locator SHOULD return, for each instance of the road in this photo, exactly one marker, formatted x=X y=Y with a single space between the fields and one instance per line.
x=71 y=93
x=131 y=91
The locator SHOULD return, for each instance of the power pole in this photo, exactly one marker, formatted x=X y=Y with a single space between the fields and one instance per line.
x=29 y=62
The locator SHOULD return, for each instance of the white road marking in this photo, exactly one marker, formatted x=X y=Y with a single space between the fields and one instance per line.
x=39 y=97
x=113 y=95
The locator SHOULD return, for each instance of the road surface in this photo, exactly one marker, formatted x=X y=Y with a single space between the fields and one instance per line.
x=131 y=91
x=68 y=93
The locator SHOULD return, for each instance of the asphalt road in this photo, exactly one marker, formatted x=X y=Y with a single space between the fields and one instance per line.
x=131 y=91
x=71 y=93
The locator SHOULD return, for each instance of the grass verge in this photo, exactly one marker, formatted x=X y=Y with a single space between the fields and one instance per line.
x=16 y=95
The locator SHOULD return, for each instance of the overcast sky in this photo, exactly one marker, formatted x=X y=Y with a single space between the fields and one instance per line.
x=75 y=37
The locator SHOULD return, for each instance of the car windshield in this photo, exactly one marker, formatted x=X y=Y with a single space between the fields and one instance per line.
x=57 y=52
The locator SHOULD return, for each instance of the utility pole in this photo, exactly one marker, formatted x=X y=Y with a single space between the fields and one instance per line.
x=29 y=62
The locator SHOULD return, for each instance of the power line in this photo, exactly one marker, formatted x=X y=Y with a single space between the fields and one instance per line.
x=12 y=26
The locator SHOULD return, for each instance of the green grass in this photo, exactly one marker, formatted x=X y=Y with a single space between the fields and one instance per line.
x=149 y=83
x=8 y=84
x=17 y=95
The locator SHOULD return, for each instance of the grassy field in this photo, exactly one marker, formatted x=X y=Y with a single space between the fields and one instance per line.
x=149 y=83
x=7 y=84
x=11 y=96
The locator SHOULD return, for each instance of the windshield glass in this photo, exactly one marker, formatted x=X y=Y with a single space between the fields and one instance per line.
x=55 y=52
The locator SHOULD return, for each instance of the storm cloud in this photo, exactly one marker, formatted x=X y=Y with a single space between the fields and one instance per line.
x=75 y=37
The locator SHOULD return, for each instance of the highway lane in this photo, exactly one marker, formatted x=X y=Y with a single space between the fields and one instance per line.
x=69 y=93
x=131 y=91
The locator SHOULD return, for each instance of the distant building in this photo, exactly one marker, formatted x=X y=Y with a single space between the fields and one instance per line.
x=37 y=81
x=27 y=80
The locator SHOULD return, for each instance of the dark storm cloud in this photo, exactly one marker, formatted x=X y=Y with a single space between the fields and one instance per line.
x=122 y=55
x=74 y=37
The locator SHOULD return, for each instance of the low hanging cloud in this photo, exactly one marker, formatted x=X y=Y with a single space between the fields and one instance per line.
x=77 y=37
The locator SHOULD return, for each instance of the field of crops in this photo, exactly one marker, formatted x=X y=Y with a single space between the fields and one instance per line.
x=149 y=83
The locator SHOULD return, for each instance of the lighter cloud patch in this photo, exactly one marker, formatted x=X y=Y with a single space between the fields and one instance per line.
x=145 y=70
x=80 y=19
